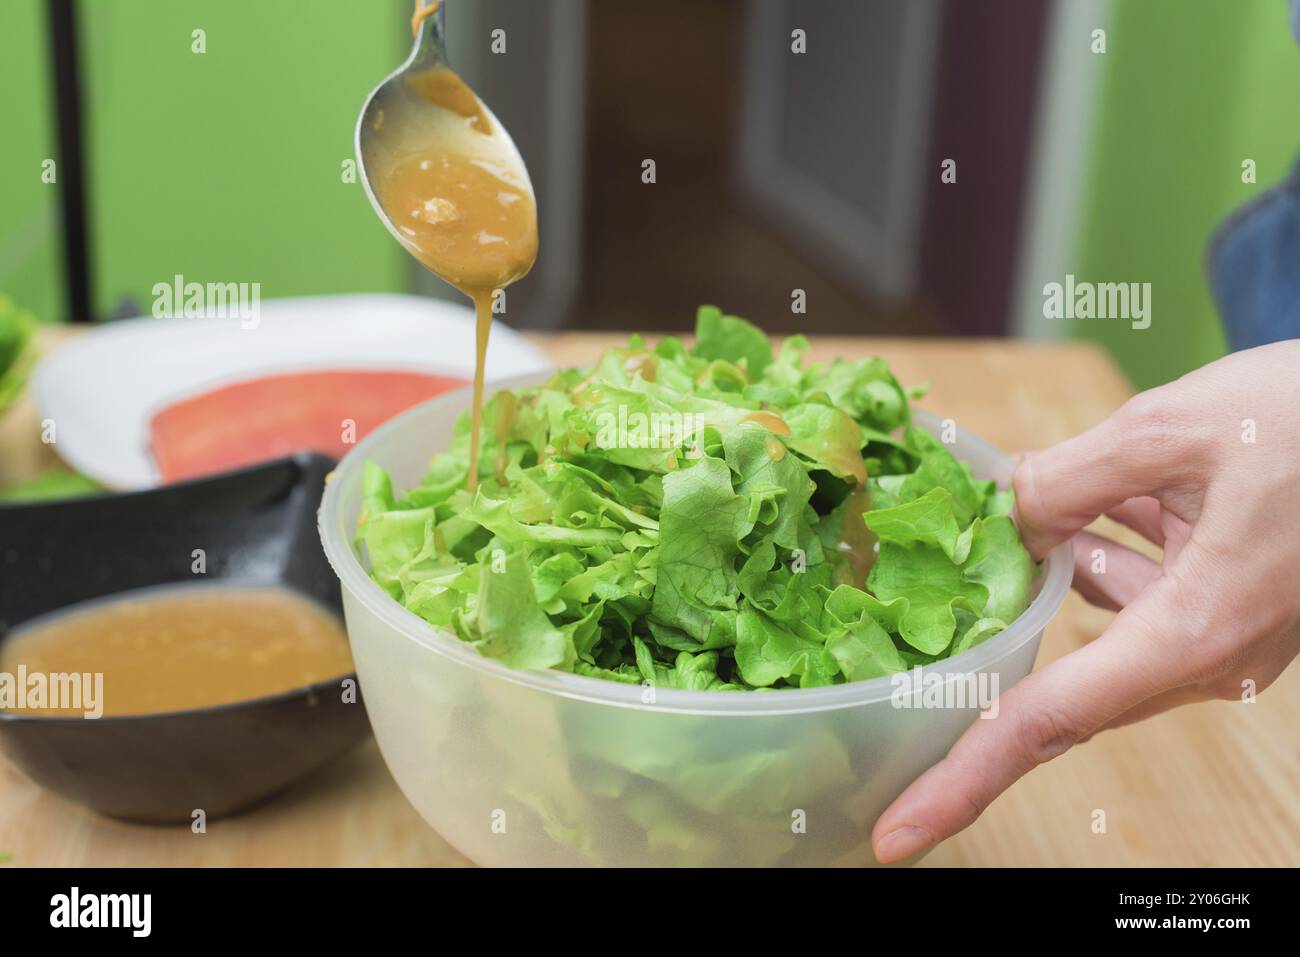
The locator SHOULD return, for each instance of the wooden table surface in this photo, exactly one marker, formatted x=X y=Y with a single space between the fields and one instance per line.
x=1213 y=784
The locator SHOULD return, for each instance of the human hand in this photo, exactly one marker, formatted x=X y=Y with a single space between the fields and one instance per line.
x=1208 y=468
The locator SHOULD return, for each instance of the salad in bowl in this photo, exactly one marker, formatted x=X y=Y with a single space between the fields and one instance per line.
x=705 y=604
x=712 y=518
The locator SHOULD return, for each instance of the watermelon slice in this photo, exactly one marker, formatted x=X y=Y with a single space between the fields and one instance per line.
x=249 y=422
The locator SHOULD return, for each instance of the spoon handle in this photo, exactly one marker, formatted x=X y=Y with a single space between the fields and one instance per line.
x=430 y=36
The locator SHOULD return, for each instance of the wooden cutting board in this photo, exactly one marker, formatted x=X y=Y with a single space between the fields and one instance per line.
x=1214 y=784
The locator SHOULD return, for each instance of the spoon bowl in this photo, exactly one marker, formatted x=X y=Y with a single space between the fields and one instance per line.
x=399 y=120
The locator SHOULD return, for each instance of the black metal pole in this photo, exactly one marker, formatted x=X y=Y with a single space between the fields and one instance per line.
x=70 y=172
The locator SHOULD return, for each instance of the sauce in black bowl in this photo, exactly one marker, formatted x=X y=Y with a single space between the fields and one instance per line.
x=253 y=528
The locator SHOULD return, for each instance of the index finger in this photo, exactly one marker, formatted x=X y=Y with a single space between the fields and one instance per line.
x=1138 y=451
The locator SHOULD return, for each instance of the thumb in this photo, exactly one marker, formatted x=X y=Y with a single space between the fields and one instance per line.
x=1037 y=720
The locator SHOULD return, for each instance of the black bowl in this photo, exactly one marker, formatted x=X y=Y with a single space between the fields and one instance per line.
x=256 y=527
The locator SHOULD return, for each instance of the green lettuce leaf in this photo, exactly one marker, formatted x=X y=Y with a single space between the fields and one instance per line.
x=1000 y=563
x=701 y=524
x=731 y=338
x=511 y=625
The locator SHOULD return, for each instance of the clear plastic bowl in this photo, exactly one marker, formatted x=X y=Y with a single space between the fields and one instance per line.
x=544 y=768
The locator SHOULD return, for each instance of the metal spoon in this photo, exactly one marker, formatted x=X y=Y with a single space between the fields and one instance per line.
x=396 y=120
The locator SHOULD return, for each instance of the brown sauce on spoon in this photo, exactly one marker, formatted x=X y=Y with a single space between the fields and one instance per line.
x=461 y=208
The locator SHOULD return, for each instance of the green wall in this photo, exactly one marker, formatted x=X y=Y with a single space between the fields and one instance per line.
x=222 y=166
x=1189 y=89
x=30 y=254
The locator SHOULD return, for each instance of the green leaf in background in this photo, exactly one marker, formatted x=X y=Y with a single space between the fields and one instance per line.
x=57 y=483
x=17 y=350
x=18 y=356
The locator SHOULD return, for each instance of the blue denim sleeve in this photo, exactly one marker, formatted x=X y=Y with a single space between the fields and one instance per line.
x=1254 y=268
x=1254 y=261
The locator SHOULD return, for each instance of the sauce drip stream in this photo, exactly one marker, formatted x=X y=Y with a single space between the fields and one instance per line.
x=462 y=206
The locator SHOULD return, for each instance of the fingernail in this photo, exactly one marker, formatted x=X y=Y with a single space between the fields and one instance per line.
x=902 y=842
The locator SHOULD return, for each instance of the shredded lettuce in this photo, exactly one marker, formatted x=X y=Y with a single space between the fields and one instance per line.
x=717 y=517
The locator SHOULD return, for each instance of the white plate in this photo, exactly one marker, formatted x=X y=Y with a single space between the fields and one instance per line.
x=102 y=388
